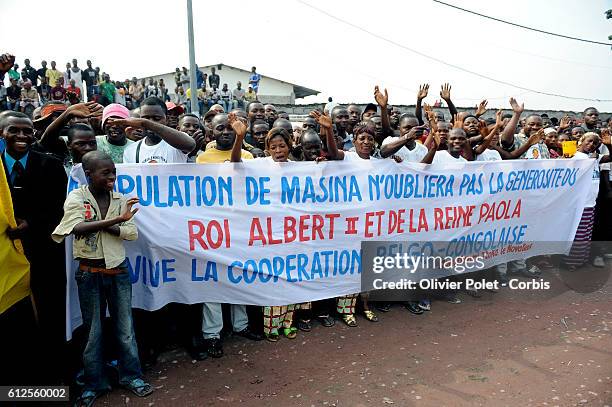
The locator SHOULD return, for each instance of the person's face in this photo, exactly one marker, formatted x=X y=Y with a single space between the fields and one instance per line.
x=256 y=111
x=27 y=85
x=368 y=114
x=341 y=119
x=103 y=177
x=172 y=119
x=259 y=134
x=394 y=117
x=377 y=121
x=238 y=85
x=19 y=135
x=591 y=116
x=258 y=153
x=82 y=143
x=271 y=113
x=151 y=83
x=155 y=113
x=456 y=141
x=223 y=132
x=116 y=134
x=89 y=64
x=354 y=114
x=470 y=125
x=44 y=64
x=364 y=144
x=552 y=140
x=189 y=125
x=443 y=130
x=68 y=65
x=52 y=64
x=278 y=149
x=407 y=124
x=546 y=122
x=74 y=62
x=225 y=86
x=212 y=70
x=309 y=123
x=589 y=144
x=27 y=62
x=311 y=148
x=563 y=137
x=532 y=124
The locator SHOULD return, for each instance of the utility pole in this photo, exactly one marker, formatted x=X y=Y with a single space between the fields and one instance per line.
x=192 y=65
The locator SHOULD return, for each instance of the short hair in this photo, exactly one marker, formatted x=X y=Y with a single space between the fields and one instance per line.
x=335 y=110
x=248 y=106
x=260 y=122
x=4 y=116
x=181 y=117
x=78 y=127
x=93 y=158
x=278 y=131
x=311 y=133
x=363 y=128
x=154 y=101
x=590 y=108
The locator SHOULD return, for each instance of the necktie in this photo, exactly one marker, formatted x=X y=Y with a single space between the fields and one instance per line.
x=17 y=174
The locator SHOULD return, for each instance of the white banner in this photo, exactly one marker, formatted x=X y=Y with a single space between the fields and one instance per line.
x=267 y=233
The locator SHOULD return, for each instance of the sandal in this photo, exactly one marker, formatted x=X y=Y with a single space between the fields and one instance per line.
x=326 y=320
x=139 y=387
x=370 y=315
x=304 y=325
x=86 y=399
x=290 y=333
x=350 y=320
x=271 y=337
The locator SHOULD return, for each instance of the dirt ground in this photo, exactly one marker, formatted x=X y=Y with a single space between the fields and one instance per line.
x=512 y=348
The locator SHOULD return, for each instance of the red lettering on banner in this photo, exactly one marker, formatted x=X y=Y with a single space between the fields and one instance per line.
x=215 y=234
x=304 y=229
x=351 y=227
x=196 y=235
x=256 y=232
x=271 y=239
x=369 y=223
x=289 y=228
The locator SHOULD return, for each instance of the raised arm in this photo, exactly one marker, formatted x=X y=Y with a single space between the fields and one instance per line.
x=445 y=95
x=80 y=110
x=488 y=135
x=241 y=129
x=387 y=150
x=325 y=124
x=533 y=140
x=481 y=108
x=382 y=101
x=177 y=139
x=422 y=94
x=507 y=136
x=433 y=147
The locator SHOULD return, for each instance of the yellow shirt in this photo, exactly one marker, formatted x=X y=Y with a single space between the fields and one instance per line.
x=213 y=156
x=81 y=206
x=250 y=96
x=53 y=75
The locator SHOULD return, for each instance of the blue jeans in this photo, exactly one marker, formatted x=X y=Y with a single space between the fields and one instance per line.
x=96 y=291
x=227 y=105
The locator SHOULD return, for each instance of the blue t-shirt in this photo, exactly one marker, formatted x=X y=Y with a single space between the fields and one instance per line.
x=254 y=78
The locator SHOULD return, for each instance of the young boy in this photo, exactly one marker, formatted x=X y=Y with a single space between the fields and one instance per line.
x=101 y=219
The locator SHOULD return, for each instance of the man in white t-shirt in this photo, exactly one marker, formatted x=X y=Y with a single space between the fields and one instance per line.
x=405 y=146
x=456 y=143
x=161 y=144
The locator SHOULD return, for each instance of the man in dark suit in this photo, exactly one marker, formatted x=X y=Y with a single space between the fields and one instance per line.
x=38 y=189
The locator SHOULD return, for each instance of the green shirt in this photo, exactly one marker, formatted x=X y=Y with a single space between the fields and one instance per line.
x=116 y=152
x=108 y=90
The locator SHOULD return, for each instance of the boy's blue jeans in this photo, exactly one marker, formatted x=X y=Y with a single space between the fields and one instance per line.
x=96 y=291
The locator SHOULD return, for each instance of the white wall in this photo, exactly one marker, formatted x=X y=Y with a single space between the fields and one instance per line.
x=270 y=90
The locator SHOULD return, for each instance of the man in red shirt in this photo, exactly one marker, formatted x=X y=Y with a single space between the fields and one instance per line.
x=73 y=92
x=58 y=92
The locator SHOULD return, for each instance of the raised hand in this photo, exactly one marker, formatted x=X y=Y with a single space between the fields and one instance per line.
x=6 y=62
x=199 y=138
x=237 y=124
x=483 y=128
x=481 y=108
x=323 y=119
x=499 y=120
x=380 y=98
x=134 y=122
x=459 y=118
x=535 y=137
x=565 y=122
x=423 y=90
x=129 y=213
x=605 y=136
x=85 y=110
x=516 y=108
x=445 y=91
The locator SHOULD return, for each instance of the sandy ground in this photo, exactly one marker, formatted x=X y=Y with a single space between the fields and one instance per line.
x=551 y=348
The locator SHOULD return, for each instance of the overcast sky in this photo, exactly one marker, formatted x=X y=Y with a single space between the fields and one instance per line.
x=287 y=40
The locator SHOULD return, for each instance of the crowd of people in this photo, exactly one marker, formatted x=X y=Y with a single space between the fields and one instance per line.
x=30 y=88
x=81 y=142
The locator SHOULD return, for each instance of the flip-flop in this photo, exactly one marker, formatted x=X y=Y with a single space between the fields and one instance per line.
x=86 y=399
x=139 y=387
x=271 y=337
x=290 y=333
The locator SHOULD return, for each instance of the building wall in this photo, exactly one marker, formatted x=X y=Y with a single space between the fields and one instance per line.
x=270 y=90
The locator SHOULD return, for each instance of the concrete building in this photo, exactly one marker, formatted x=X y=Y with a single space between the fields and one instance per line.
x=271 y=90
